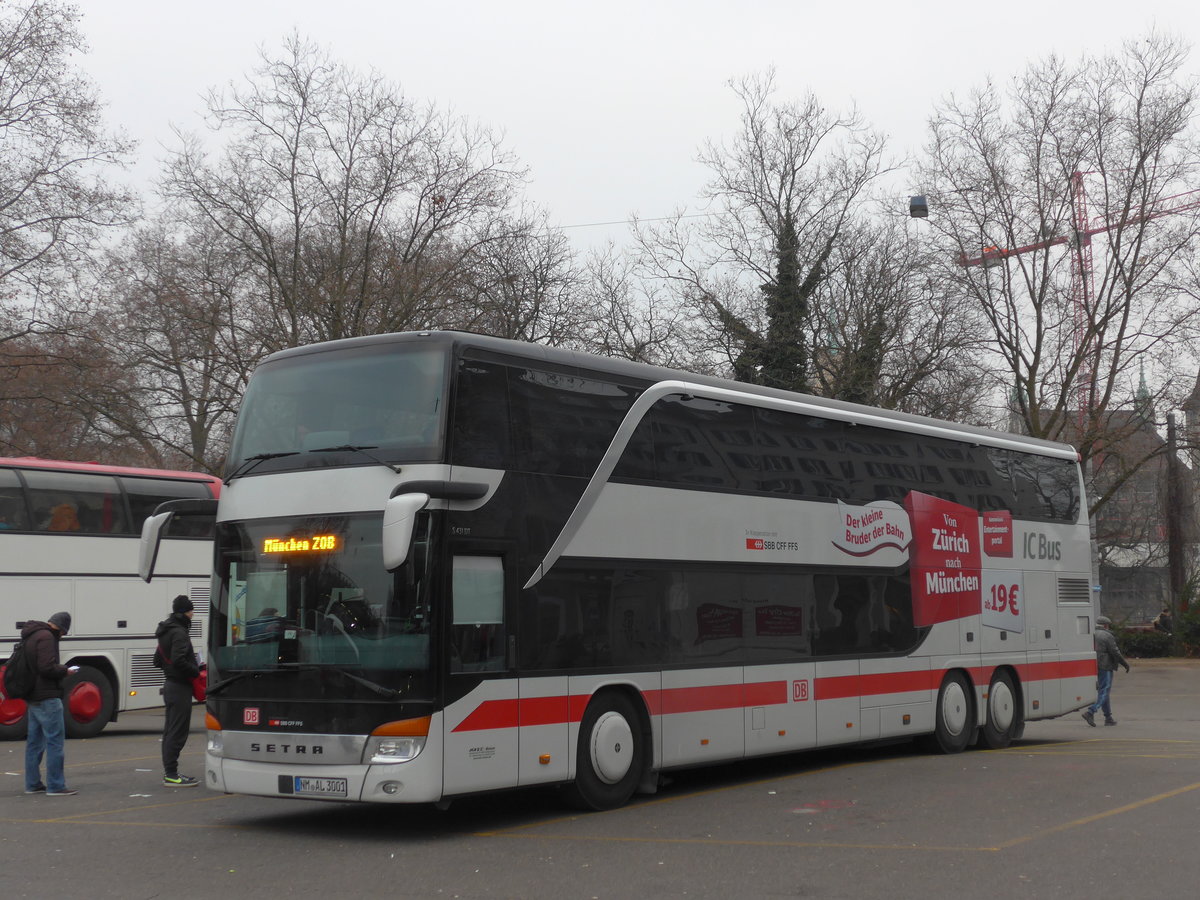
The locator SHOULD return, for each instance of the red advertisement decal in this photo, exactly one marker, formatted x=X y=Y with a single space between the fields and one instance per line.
x=945 y=569
x=998 y=534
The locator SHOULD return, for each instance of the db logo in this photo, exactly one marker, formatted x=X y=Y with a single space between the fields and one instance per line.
x=800 y=691
x=250 y=715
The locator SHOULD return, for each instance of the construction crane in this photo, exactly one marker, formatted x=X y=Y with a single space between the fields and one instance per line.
x=1080 y=236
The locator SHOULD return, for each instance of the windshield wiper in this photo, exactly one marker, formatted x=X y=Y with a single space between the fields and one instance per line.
x=251 y=461
x=385 y=692
x=355 y=448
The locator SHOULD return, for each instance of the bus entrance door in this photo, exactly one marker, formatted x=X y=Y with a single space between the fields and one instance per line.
x=482 y=710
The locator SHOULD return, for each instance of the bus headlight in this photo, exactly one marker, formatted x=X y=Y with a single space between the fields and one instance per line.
x=216 y=743
x=397 y=742
x=385 y=750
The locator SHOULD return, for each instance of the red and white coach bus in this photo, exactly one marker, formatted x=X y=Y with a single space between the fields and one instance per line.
x=69 y=541
x=448 y=564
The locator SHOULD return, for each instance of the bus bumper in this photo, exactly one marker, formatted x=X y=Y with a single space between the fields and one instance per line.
x=408 y=782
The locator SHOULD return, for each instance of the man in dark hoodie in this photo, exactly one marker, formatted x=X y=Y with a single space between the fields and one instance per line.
x=179 y=668
x=45 y=706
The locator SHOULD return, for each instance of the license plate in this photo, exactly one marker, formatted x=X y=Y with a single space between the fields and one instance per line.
x=326 y=787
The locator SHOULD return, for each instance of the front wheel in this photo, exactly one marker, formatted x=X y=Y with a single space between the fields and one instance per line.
x=955 y=715
x=87 y=702
x=611 y=754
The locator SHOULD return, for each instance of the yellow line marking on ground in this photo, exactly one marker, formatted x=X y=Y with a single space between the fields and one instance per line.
x=717 y=842
x=676 y=798
x=113 y=762
x=110 y=822
x=1087 y=820
x=520 y=831
x=75 y=817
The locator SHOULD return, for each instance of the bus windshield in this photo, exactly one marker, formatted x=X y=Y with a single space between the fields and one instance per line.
x=312 y=594
x=343 y=407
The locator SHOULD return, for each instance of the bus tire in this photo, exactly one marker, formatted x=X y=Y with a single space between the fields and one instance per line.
x=1003 y=714
x=14 y=729
x=611 y=754
x=78 y=727
x=955 y=715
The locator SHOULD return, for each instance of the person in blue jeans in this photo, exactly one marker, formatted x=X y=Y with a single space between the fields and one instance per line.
x=1108 y=657
x=46 y=729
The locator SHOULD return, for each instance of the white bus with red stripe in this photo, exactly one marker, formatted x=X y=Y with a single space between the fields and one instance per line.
x=69 y=537
x=448 y=564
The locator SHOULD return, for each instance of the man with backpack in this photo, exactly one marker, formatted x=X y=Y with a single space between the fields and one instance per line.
x=47 y=730
x=177 y=659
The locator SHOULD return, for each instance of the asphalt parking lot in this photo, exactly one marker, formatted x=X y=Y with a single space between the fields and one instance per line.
x=1069 y=811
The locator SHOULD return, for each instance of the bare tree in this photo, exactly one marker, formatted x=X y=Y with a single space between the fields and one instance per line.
x=355 y=208
x=522 y=283
x=54 y=155
x=636 y=318
x=1059 y=203
x=47 y=404
x=792 y=278
x=170 y=321
x=888 y=332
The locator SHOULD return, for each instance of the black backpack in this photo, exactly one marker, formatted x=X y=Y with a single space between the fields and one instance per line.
x=19 y=676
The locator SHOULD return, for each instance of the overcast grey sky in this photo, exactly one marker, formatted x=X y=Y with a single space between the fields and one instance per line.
x=606 y=102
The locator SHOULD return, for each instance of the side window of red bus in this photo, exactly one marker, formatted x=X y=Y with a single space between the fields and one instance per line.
x=74 y=502
x=478 y=636
x=12 y=502
x=145 y=494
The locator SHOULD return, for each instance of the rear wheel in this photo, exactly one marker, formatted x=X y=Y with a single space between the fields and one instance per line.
x=611 y=754
x=955 y=715
x=87 y=702
x=1002 y=714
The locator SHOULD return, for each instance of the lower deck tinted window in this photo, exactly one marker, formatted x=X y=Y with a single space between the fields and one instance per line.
x=586 y=618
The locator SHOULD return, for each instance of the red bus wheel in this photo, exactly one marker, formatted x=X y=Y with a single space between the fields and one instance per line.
x=87 y=702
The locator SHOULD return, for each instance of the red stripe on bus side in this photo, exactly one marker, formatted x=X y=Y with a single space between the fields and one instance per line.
x=842 y=686
x=559 y=710
x=1067 y=668
x=491 y=714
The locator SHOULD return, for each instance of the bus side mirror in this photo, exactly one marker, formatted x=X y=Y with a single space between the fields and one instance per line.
x=399 y=520
x=156 y=524
x=152 y=531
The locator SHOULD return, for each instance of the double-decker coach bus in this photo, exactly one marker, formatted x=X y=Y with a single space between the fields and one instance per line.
x=69 y=542
x=448 y=564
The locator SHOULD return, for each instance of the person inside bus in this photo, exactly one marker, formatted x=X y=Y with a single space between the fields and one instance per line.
x=62 y=518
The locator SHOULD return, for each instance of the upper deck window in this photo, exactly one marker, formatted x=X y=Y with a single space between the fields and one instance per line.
x=336 y=407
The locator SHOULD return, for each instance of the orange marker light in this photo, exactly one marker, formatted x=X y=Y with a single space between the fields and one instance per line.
x=404 y=728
